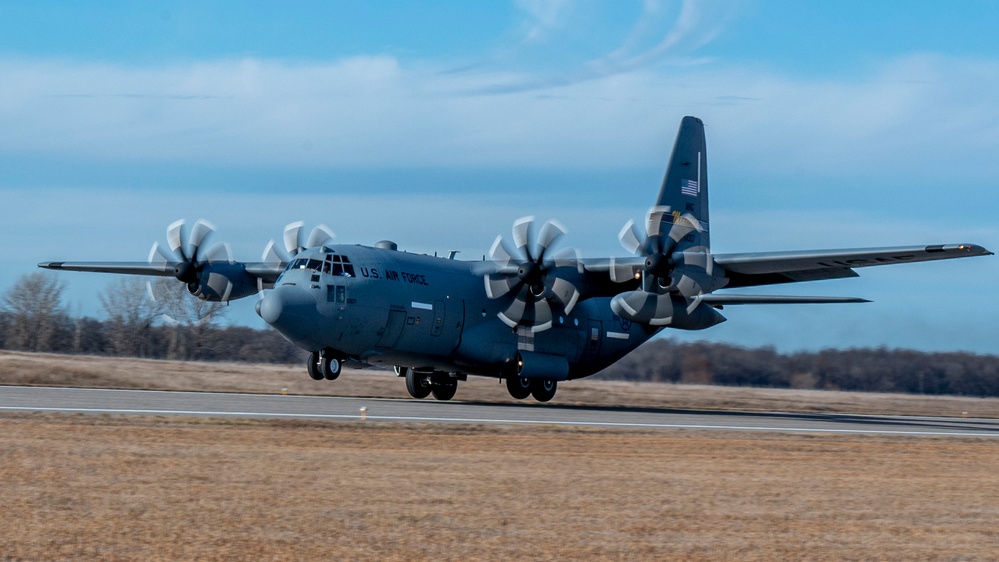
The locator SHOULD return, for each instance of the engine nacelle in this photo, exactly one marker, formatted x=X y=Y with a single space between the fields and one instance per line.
x=664 y=310
x=222 y=282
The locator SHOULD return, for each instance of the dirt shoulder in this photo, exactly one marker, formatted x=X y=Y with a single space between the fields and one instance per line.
x=105 y=372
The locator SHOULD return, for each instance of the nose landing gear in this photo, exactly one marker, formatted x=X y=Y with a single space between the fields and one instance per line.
x=324 y=365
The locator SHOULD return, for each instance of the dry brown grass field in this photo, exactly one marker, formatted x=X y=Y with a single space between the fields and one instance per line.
x=104 y=372
x=115 y=488
x=88 y=487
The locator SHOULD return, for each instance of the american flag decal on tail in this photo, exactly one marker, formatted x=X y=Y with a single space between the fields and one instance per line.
x=689 y=187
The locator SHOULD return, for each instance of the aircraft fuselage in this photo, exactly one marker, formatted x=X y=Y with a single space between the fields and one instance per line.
x=384 y=306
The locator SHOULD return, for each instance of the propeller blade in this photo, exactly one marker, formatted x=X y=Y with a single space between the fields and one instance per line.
x=522 y=234
x=157 y=257
x=517 y=309
x=498 y=285
x=501 y=253
x=319 y=235
x=201 y=229
x=550 y=233
x=272 y=256
x=174 y=236
x=645 y=307
x=542 y=316
x=291 y=237
x=654 y=219
x=694 y=303
x=221 y=251
x=620 y=272
x=629 y=238
x=569 y=257
x=565 y=293
x=684 y=225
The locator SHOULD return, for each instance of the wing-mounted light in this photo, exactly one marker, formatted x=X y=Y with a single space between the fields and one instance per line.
x=668 y=270
x=531 y=278
x=209 y=272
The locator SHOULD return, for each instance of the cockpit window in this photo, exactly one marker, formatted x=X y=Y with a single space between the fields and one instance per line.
x=304 y=263
x=338 y=265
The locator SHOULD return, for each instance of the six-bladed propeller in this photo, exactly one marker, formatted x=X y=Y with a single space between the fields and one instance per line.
x=191 y=262
x=668 y=271
x=294 y=242
x=530 y=278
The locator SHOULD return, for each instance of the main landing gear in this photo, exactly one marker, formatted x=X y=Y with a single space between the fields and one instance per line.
x=520 y=388
x=324 y=366
x=421 y=384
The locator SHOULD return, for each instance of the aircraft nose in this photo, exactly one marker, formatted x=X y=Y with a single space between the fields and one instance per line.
x=284 y=304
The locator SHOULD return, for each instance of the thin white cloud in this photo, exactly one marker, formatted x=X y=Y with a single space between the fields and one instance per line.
x=541 y=17
x=371 y=111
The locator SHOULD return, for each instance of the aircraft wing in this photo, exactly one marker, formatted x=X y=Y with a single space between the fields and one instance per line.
x=767 y=268
x=126 y=268
x=268 y=273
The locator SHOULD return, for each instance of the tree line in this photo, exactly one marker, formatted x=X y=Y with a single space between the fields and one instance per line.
x=866 y=370
x=160 y=320
x=150 y=319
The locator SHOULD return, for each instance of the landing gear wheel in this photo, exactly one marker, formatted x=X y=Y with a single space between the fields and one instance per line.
x=330 y=367
x=543 y=390
x=444 y=387
x=418 y=384
x=518 y=387
x=313 y=365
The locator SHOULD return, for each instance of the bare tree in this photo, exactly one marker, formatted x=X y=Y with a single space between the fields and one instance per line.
x=35 y=313
x=131 y=310
x=192 y=319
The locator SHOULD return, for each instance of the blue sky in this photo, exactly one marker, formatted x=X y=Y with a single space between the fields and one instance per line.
x=830 y=124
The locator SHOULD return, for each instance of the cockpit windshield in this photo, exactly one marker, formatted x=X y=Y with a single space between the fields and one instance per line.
x=305 y=263
x=334 y=264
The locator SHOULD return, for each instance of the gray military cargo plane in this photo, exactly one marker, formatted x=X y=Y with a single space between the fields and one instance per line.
x=530 y=315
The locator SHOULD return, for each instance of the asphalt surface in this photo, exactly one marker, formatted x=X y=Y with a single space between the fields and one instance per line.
x=269 y=406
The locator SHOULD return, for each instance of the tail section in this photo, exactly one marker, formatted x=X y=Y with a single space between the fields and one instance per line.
x=685 y=187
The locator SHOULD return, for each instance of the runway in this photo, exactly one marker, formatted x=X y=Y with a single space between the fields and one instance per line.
x=268 y=406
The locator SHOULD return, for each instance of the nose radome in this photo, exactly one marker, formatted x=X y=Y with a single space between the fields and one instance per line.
x=283 y=303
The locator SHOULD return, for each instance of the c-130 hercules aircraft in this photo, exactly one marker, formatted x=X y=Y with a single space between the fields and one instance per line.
x=530 y=315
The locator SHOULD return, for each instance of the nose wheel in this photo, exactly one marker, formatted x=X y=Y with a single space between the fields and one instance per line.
x=324 y=366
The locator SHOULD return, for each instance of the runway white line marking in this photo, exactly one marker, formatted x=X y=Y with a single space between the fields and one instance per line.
x=520 y=422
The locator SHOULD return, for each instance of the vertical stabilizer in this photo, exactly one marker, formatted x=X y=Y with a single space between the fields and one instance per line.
x=685 y=187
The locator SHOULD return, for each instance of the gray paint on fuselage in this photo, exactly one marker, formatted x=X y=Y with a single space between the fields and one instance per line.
x=447 y=321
